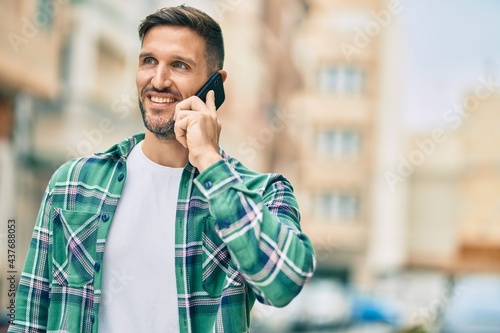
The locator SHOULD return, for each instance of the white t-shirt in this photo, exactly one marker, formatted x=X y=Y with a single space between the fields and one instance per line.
x=139 y=291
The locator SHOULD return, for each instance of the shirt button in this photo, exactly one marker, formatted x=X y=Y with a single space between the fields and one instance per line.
x=208 y=184
x=120 y=177
x=105 y=217
x=92 y=318
x=97 y=267
x=225 y=224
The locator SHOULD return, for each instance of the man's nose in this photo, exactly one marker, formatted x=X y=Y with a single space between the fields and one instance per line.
x=161 y=78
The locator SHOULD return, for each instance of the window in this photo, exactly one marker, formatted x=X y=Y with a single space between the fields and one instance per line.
x=339 y=143
x=109 y=71
x=45 y=12
x=337 y=206
x=341 y=80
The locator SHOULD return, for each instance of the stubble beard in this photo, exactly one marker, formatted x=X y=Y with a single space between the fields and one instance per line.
x=161 y=128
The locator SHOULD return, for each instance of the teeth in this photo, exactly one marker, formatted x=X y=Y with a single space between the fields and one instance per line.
x=162 y=100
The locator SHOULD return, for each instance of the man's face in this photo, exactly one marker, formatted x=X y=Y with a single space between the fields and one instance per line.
x=172 y=67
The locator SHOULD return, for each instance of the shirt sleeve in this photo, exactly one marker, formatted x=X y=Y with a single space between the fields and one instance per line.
x=32 y=297
x=261 y=228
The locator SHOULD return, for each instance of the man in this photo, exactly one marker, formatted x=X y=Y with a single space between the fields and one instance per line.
x=164 y=232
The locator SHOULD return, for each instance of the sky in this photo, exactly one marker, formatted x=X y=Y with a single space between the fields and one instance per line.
x=448 y=45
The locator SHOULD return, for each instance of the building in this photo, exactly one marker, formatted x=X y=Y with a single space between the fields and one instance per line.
x=345 y=131
x=313 y=94
x=261 y=77
x=243 y=114
x=453 y=196
x=32 y=36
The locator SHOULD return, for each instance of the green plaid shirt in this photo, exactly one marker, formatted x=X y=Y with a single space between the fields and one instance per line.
x=238 y=239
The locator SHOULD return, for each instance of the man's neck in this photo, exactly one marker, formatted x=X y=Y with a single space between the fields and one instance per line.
x=169 y=153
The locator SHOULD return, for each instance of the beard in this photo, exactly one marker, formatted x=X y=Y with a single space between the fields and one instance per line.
x=154 y=121
x=162 y=128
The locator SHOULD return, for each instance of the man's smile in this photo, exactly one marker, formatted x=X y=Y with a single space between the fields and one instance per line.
x=162 y=100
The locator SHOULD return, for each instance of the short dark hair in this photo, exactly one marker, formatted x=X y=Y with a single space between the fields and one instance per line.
x=195 y=19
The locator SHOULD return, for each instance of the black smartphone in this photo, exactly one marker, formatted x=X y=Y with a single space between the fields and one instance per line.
x=215 y=84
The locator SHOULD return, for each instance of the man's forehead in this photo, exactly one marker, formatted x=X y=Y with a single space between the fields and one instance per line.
x=167 y=37
x=171 y=31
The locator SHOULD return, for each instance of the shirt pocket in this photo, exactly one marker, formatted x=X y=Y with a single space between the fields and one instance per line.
x=74 y=238
x=219 y=272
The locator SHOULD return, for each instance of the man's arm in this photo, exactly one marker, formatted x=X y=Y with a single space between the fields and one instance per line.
x=32 y=298
x=261 y=231
x=260 y=228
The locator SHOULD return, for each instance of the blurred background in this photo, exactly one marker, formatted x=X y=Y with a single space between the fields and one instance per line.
x=383 y=114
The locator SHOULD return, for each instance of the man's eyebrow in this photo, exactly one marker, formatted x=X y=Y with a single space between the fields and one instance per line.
x=145 y=54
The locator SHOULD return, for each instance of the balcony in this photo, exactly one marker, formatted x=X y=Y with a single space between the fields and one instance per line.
x=30 y=53
x=316 y=108
x=327 y=237
x=316 y=175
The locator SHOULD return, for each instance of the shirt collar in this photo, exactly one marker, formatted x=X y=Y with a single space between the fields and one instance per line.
x=123 y=149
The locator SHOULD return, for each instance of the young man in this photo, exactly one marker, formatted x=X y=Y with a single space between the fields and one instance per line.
x=164 y=232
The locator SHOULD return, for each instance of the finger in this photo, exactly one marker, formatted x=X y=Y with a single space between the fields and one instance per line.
x=180 y=130
x=181 y=114
x=211 y=101
x=191 y=103
x=183 y=105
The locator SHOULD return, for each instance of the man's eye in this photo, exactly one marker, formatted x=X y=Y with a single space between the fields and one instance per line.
x=180 y=65
x=149 y=61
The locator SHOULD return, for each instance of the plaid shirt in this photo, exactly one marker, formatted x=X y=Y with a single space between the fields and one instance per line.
x=238 y=239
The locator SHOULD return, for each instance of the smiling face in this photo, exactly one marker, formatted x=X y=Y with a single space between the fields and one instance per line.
x=172 y=67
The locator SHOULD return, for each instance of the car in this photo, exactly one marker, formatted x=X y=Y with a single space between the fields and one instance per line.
x=474 y=306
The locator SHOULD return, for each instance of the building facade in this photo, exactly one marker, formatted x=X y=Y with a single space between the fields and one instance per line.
x=345 y=131
x=453 y=201
x=32 y=36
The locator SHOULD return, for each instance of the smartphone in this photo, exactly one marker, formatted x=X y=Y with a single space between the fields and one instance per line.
x=215 y=84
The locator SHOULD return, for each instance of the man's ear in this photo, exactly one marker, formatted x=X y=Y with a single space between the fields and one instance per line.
x=224 y=74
